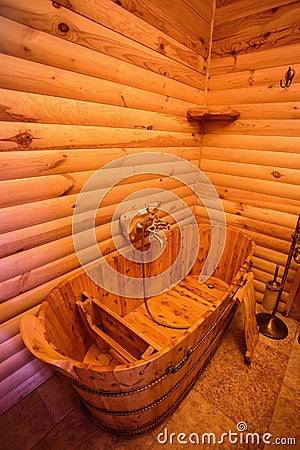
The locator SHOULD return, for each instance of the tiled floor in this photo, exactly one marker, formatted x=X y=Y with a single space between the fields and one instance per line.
x=263 y=395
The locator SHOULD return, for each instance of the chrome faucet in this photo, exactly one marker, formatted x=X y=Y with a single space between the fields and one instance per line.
x=153 y=224
x=147 y=222
x=160 y=239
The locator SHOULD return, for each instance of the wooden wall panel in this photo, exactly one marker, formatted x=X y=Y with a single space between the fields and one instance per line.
x=188 y=22
x=116 y=17
x=273 y=57
x=20 y=75
x=236 y=9
x=63 y=111
x=270 y=27
x=83 y=84
x=254 y=161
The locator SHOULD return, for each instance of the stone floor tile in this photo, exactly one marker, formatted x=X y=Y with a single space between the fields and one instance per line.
x=76 y=431
x=198 y=423
x=25 y=424
x=241 y=391
x=58 y=396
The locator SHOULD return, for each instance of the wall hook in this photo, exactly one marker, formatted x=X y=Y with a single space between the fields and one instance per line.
x=288 y=78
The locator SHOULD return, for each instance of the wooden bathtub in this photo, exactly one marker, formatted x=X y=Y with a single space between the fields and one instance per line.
x=130 y=372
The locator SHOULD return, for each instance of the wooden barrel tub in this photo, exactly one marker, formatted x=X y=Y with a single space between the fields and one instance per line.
x=129 y=372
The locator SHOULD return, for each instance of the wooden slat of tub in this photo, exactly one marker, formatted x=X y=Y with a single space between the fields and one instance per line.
x=183 y=305
x=95 y=356
x=157 y=336
x=189 y=309
x=211 y=295
x=194 y=293
x=169 y=312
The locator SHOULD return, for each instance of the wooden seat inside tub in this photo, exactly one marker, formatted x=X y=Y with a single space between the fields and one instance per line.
x=181 y=306
x=134 y=336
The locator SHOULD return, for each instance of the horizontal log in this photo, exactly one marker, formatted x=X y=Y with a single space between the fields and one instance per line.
x=265 y=272
x=269 y=241
x=11 y=329
x=32 y=236
x=273 y=188
x=203 y=9
x=255 y=94
x=274 y=256
x=10 y=347
x=120 y=20
x=31 y=255
x=273 y=57
x=257 y=199
x=242 y=8
x=249 y=78
x=267 y=215
x=26 y=164
x=25 y=107
x=281 y=110
x=13 y=394
x=20 y=378
x=270 y=143
x=261 y=127
x=264 y=277
x=32 y=136
x=21 y=75
x=271 y=28
x=252 y=171
x=245 y=156
x=28 y=190
x=15 y=362
x=17 y=192
x=96 y=42
x=27 y=260
x=28 y=237
x=265 y=229
x=12 y=288
x=181 y=22
x=268 y=267
x=27 y=215
x=28 y=280
x=262 y=233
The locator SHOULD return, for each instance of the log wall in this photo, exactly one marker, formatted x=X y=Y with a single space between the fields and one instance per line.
x=82 y=84
x=254 y=161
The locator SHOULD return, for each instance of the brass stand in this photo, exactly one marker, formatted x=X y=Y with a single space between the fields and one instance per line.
x=270 y=325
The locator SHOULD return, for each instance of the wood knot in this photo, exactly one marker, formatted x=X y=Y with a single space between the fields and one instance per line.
x=276 y=174
x=63 y=27
x=24 y=139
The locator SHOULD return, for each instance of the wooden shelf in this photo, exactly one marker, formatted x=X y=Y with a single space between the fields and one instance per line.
x=213 y=113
